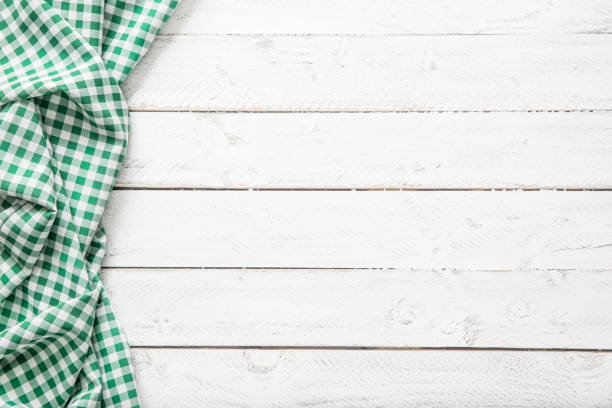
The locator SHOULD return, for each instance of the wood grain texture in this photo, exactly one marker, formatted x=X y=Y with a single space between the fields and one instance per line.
x=380 y=150
x=414 y=73
x=390 y=17
x=364 y=308
x=331 y=378
x=414 y=229
x=481 y=269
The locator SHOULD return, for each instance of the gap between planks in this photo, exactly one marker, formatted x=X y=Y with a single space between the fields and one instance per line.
x=320 y=268
x=323 y=189
x=370 y=348
x=330 y=268
x=288 y=111
x=358 y=35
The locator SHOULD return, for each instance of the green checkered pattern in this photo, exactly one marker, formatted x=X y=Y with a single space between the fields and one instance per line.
x=63 y=134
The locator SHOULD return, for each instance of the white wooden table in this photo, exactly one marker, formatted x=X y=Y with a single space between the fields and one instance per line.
x=370 y=203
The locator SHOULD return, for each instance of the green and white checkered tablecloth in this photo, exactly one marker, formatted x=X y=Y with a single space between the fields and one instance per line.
x=63 y=135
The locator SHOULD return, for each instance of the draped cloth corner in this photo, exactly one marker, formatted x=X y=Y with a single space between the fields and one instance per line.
x=63 y=134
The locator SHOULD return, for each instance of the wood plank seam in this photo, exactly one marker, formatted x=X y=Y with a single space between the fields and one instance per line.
x=365 y=111
x=323 y=189
x=375 y=348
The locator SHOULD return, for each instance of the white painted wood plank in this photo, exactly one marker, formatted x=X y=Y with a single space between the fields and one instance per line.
x=334 y=379
x=390 y=17
x=364 y=308
x=380 y=150
x=414 y=229
x=543 y=72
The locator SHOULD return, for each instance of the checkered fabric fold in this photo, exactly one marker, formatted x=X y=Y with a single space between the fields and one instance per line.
x=63 y=134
